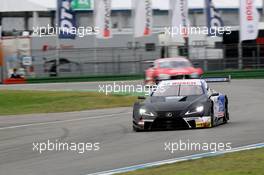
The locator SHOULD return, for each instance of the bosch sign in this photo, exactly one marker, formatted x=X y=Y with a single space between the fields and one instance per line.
x=183 y=13
x=249 y=10
x=147 y=30
x=107 y=18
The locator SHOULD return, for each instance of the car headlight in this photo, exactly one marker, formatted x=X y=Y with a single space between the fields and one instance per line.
x=198 y=109
x=145 y=112
x=164 y=76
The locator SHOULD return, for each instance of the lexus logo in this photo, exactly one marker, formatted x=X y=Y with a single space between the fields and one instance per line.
x=169 y=114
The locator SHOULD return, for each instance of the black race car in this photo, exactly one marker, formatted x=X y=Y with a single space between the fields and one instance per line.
x=181 y=104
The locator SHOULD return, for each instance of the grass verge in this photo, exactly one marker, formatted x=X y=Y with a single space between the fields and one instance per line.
x=240 y=163
x=29 y=102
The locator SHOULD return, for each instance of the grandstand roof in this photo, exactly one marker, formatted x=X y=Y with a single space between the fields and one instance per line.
x=47 y=5
x=22 y=6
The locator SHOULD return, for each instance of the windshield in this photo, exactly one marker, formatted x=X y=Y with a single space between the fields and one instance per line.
x=178 y=90
x=174 y=64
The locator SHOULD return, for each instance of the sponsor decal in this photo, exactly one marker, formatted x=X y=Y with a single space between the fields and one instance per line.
x=249 y=10
x=202 y=122
x=180 y=16
x=177 y=82
x=249 y=19
x=143 y=23
x=183 y=17
x=214 y=20
x=148 y=17
x=107 y=18
x=81 y=4
x=66 y=19
x=221 y=103
x=103 y=18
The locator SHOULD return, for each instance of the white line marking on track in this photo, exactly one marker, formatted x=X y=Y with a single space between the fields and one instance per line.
x=61 y=121
x=180 y=159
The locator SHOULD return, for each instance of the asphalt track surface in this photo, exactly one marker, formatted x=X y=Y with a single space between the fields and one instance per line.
x=119 y=145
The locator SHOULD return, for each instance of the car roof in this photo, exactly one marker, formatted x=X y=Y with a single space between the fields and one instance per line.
x=172 y=59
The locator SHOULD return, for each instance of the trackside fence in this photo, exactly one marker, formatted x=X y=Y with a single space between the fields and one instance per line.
x=75 y=62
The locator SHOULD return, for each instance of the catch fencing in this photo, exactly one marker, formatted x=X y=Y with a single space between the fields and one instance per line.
x=131 y=60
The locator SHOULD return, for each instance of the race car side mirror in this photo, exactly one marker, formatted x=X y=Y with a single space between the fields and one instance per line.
x=141 y=97
x=196 y=64
x=151 y=66
x=214 y=94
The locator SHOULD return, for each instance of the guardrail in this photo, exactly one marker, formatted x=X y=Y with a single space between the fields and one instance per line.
x=96 y=64
x=235 y=74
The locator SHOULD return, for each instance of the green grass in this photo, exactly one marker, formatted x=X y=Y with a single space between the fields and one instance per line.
x=240 y=163
x=29 y=102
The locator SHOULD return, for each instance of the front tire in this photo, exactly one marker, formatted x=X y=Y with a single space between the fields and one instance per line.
x=212 y=117
x=226 y=117
x=135 y=129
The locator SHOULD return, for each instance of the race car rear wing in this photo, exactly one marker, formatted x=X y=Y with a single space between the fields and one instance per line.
x=217 y=79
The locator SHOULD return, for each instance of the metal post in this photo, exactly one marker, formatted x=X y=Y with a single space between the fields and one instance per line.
x=258 y=56
x=187 y=46
x=254 y=60
x=240 y=55
x=35 y=19
x=262 y=10
x=1 y=21
x=1 y=58
x=205 y=65
x=140 y=65
x=224 y=58
x=95 y=56
x=113 y=65
x=134 y=46
x=26 y=17
x=57 y=42
x=1 y=53
x=119 y=66
x=53 y=19
x=95 y=41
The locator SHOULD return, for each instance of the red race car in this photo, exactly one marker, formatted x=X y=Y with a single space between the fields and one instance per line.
x=171 y=68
